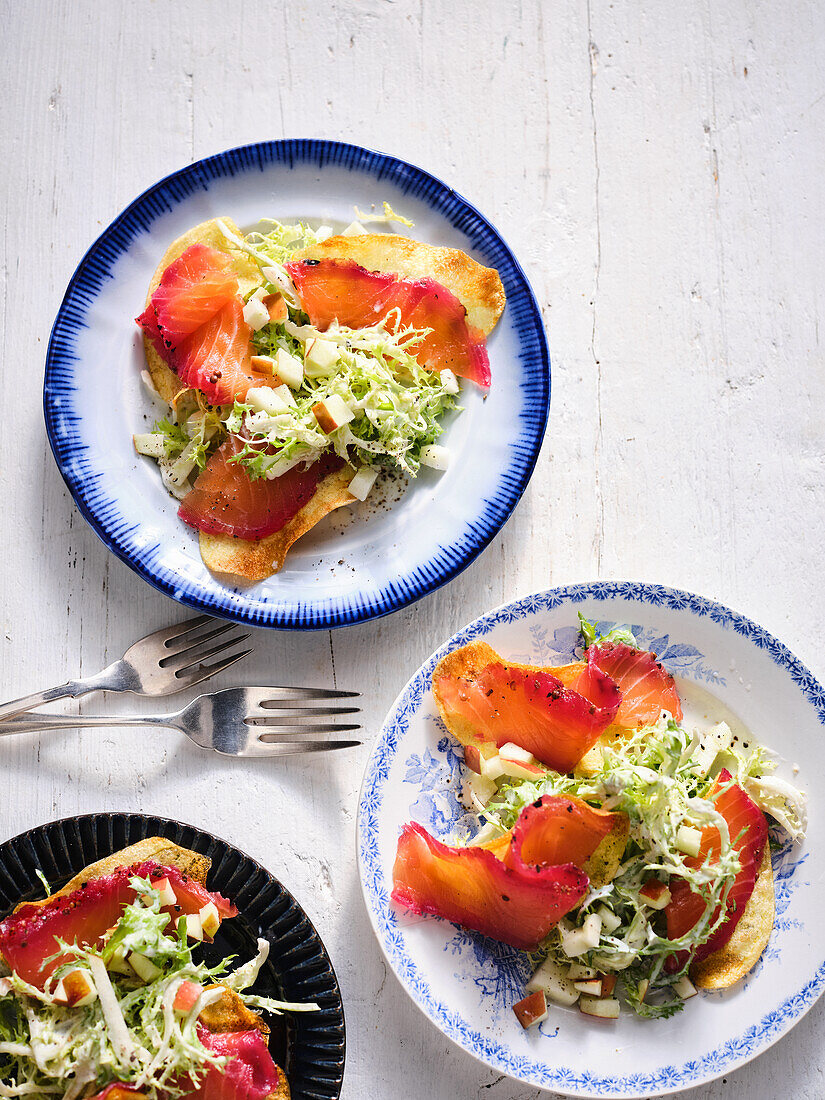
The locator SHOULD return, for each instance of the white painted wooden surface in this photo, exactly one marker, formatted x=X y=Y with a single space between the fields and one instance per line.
x=658 y=169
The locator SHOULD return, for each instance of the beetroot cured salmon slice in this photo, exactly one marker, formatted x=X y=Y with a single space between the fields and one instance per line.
x=343 y=291
x=534 y=709
x=249 y=1074
x=30 y=934
x=748 y=831
x=517 y=905
x=195 y=321
x=558 y=829
x=647 y=688
x=226 y=501
x=191 y=291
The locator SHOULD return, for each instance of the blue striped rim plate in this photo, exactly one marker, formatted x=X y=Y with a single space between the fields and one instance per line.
x=728 y=668
x=309 y=1046
x=360 y=563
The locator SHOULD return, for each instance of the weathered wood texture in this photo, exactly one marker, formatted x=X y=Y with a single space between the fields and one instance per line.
x=658 y=169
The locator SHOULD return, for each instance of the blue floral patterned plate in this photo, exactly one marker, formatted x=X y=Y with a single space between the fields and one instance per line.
x=358 y=563
x=728 y=668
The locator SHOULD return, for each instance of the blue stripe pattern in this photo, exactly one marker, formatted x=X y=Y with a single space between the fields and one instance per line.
x=64 y=418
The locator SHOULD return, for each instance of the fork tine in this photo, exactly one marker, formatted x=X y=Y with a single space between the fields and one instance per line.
x=182 y=642
x=190 y=676
x=288 y=695
x=296 y=713
x=167 y=634
x=180 y=662
x=295 y=748
x=286 y=731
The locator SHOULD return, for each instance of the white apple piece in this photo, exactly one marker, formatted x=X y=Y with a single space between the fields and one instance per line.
x=165 y=892
x=591 y=986
x=555 y=983
x=532 y=1010
x=143 y=966
x=210 y=919
x=75 y=989
x=479 y=791
x=643 y=987
x=485 y=834
x=323 y=231
x=576 y=941
x=363 y=481
x=266 y=400
x=493 y=767
x=449 y=381
x=289 y=369
x=578 y=972
x=685 y=988
x=262 y=364
x=688 y=840
x=255 y=312
x=151 y=444
x=118 y=963
x=193 y=926
x=320 y=356
x=332 y=413
x=606 y=1008
x=714 y=741
x=354 y=229
x=610 y=922
x=518 y=763
x=655 y=894
x=436 y=457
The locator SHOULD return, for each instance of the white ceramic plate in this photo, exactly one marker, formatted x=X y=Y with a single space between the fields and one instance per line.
x=359 y=562
x=728 y=667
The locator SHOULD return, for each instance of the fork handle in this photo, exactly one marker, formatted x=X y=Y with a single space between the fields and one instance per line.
x=102 y=681
x=37 y=723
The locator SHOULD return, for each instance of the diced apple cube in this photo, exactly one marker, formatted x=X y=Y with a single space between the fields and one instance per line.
x=642 y=988
x=481 y=791
x=477 y=754
x=493 y=767
x=685 y=988
x=435 y=456
x=354 y=229
x=688 y=840
x=591 y=986
x=210 y=919
x=512 y=751
x=262 y=364
x=75 y=989
x=332 y=413
x=286 y=395
x=610 y=922
x=265 y=399
x=714 y=741
x=517 y=770
x=289 y=369
x=323 y=231
x=151 y=444
x=449 y=381
x=532 y=1010
x=576 y=941
x=604 y=1007
x=193 y=926
x=320 y=355
x=255 y=312
x=608 y=984
x=580 y=973
x=276 y=307
x=655 y=894
x=362 y=483
x=143 y=966
x=118 y=963
x=557 y=986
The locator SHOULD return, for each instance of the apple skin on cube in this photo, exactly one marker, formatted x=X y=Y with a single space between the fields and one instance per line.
x=532 y=1010
x=605 y=1008
x=655 y=894
x=476 y=756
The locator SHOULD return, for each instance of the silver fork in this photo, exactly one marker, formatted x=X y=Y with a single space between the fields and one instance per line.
x=159 y=664
x=253 y=721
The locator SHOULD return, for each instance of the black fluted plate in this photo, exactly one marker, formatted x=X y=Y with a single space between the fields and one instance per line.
x=310 y=1046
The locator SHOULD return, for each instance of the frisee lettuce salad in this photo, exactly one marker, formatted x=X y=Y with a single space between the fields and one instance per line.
x=131 y=1032
x=661 y=777
x=387 y=410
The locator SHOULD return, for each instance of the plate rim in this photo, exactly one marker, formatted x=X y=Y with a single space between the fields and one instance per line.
x=299 y=614
x=773 y=1026
x=148 y=819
